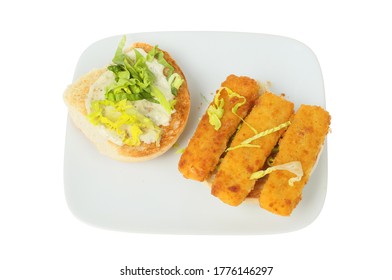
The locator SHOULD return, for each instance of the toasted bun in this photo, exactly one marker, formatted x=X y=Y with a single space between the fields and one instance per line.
x=75 y=99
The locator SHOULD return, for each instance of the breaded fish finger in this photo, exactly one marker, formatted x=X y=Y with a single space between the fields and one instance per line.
x=207 y=144
x=232 y=182
x=302 y=142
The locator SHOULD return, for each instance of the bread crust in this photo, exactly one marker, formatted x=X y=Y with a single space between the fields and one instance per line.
x=75 y=99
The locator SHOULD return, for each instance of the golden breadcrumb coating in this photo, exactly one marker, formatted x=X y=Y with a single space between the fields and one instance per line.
x=302 y=142
x=206 y=146
x=232 y=184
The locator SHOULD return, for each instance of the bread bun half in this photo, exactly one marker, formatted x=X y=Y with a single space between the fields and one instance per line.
x=76 y=99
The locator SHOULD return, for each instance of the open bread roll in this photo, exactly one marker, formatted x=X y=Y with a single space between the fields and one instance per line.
x=143 y=119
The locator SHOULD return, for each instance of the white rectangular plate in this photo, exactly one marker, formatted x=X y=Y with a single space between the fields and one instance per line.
x=152 y=196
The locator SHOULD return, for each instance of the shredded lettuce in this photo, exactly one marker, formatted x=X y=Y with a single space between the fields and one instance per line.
x=246 y=142
x=159 y=55
x=175 y=81
x=243 y=146
x=215 y=111
x=123 y=119
x=232 y=94
x=266 y=132
x=119 y=54
x=134 y=81
x=180 y=151
x=294 y=167
x=161 y=99
x=237 y=105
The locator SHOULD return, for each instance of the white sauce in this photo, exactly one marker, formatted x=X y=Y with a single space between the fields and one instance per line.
x=153 y=111
x=110 y=135
x=149 y=136
x=97 y=90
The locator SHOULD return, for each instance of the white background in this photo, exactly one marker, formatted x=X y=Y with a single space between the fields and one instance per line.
x=41 y=43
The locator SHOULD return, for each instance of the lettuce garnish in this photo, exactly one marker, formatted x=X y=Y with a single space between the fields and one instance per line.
x=133 y=81
x=159 y=55
x=246 y=142
x=175 y=81
x=294 y=167
x=215 y=111
x=123 y=119
x=119 y=54
x=160 y=97
x=237 y=105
